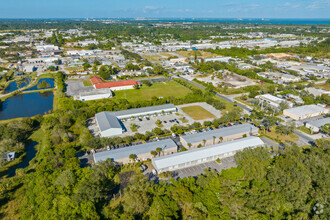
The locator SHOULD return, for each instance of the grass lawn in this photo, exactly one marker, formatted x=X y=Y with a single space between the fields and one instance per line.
x=160 y=89
x=197 y=112
x=305 y=130
x=87 y=82
x=324 y=86
x=281 y=137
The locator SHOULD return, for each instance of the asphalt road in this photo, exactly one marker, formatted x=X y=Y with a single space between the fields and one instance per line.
x=217 y=94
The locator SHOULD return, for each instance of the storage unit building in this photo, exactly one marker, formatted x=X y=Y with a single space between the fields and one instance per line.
x=142 y=151
x=213 y=137
x=108 y=124
x=204 y=154
x=305 y=111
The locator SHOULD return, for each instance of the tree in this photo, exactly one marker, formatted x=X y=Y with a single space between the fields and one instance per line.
x=132 y=157
x=189 y=145
x=220 y=139
x=86 y=66
x=158 y=150
x=214 y=139
x=153 y=153
x=204 y=142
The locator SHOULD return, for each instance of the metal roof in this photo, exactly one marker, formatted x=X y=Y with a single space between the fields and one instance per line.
x=137 y=149
x=271 y=98
x=222 y=132
x=142 y=110
x=106 y=121
x=320 y=122
x=204 y=152
x=305 y=109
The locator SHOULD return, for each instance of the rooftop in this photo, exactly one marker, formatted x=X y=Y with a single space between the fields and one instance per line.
x=320 y=122
x=142 y=110
x=204 y=152
x=222 y=132
x=106 y=121
x=115 y=84
x=272 y=98
x=305 y=109
x=122 y=153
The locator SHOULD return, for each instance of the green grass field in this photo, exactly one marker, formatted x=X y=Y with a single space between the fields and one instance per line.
x=324 y=86
x=161 y=89
x=197 y=112
x=87 y=82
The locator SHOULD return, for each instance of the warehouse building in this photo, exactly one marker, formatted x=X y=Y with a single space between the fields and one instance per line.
x=305 y=111
x=142 y=151
x=217 y=136
x=114 y=86
x=315 y=125
x=109 y=122
x=204 y=154
x=95 y=94
x=273 y=100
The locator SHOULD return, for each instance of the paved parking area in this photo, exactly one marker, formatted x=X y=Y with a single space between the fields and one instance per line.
x=75 y=87
x=192 y=171
x=147 y=125
x=269 y=142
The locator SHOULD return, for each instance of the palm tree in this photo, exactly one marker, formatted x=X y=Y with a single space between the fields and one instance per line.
x=204 y=142
x=220 y=139
x=158 y=150
x=153 y=153
x=132 y=157
x=189 y=145
x=214 y=139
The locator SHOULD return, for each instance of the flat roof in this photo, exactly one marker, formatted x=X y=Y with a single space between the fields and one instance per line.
x=320 y=122
x=305 y=109
x=107 y=121
x=137 y=149
x=204 y=152
x=222 y=132
x=272 y=98
x=142 y=110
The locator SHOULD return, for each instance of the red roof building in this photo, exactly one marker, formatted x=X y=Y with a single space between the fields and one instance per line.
x=116 y=84
x=96 y=80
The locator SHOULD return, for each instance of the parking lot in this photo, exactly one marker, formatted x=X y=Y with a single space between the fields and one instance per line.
x=76 y=87
x=148 y=123
x=226 y=163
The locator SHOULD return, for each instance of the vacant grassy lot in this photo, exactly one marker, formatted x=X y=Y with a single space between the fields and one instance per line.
x=281 y=137
x=197 y=112
x=161 y=89
x=87 y=82
x=324 y=86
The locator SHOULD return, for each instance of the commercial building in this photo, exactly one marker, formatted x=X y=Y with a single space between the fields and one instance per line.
x=109 y=122
x=273 y=100
x=95 y=94
x=204 y=154
x=142 y=151
x=218 y=135
x=305 y=111
x=118 y=85
x=315 y=125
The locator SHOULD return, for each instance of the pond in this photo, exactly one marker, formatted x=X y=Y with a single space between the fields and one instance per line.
x=30 y=154
x=14 y=85
x=45 y=83
x=26 y=105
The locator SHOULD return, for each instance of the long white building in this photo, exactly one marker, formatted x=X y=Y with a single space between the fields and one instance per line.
x=204 y=154
x=305 y=111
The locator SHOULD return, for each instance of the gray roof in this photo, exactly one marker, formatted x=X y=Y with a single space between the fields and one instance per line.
x=122 y=153
x=320 y=122
x=106 y=121
x=222 y=132
x=204 y=152
x=143 y=110
x=305 y=109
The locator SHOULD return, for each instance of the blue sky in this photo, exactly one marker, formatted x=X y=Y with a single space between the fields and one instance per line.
x=165 y=8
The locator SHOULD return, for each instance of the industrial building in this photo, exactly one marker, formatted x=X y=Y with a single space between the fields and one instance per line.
x=218 y=135
x=95 y=94
x=305 y=111
x=204 y=154
x=142 y=151
x=109 y=122
x=114 y=86
x=273 y=100
x=315 y=125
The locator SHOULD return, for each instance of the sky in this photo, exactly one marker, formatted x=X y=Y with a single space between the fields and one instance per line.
x=165 y=9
